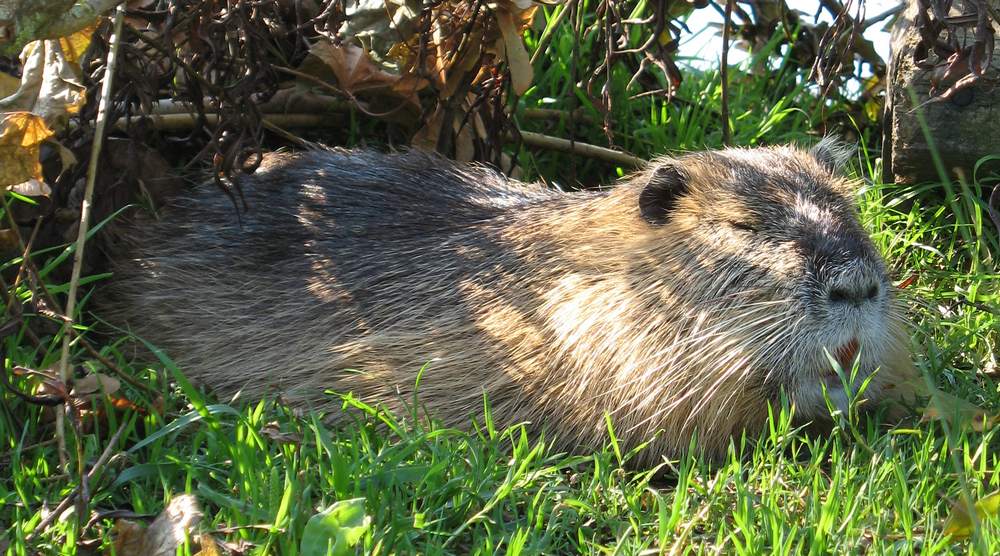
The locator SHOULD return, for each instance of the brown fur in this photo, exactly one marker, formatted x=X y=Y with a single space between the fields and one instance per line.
x=682 y=301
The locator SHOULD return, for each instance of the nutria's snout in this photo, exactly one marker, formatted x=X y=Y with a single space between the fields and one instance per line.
x=851 y=303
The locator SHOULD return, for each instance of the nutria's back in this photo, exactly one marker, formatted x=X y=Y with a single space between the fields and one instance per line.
x=685 y=299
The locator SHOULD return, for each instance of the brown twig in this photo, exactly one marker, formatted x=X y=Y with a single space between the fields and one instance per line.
x=181 y=122
x=110 y=365
x=71 y=497
x=575 y=147
x=338 y=91
x=898 y=8
x=81 y=238
x=555 y=114
x=727 y=138
x=276 y=122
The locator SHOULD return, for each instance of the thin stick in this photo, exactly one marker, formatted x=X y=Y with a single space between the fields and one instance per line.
x=81 y=238
x=593 y=151
x=101 y=462
x=727 y=138
x=182 y=122
x=276 y=123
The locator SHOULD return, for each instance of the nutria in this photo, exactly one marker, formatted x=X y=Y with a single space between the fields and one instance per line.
x=684 y=300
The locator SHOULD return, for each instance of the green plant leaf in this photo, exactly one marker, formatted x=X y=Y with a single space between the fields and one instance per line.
x=335 y=530
x=960 y=524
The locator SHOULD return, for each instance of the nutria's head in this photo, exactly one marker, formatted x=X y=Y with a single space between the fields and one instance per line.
x=764 y=267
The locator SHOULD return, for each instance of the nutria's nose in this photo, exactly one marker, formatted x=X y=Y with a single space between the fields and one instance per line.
x=855 y=293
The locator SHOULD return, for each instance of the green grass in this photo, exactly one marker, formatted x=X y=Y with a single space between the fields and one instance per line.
x=432 y=490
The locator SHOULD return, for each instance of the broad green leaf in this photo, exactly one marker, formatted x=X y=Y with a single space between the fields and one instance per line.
x=335 y=530
x=960 y=524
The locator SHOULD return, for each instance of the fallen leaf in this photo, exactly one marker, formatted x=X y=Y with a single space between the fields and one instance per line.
x=50 y=383
x=94 y=384
x=129 y=536
x=32 y=188
x=352 y=67
x=164 y=535
x=958 y=413
x=21 y=136
x=51 y=86
x=516 y=55
x=208 y=546
x=960 y=524
x=908 y=281
x=272 y=430
x=380 y=23
x=8 y=241
x=335 y=530
x=49 y=91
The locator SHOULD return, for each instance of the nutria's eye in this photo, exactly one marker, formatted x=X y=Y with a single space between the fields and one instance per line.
x=742 y=226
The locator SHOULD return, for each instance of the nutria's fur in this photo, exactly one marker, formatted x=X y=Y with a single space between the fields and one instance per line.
x=684 y=299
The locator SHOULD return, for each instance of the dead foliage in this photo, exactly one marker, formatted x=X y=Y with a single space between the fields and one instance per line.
x=957 y=48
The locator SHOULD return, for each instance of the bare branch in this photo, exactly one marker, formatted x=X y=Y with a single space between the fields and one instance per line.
x=727 y=138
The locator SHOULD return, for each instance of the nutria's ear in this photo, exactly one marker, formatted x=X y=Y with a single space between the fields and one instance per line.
x=833 y=154
x=665 y=183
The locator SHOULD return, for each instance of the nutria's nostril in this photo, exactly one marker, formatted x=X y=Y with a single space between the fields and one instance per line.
x=839 y=295
x=856 y=294
x=872 y=292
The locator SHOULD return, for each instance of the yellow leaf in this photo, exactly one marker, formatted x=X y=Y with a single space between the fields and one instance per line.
x=21 y=136
x=76 y=44
x=960 y=524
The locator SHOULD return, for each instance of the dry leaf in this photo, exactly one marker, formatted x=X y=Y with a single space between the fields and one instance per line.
x=208 y=546
x=380 y=23
x=273 y=431
x=21 y=136
x=958 y=413
x=50 y=81
x=960 y=524
x=129 y=537
x=426 y=138
x=8 y=241
x=164 y=535
x=50 y=90
x=353 y=69
x=94 y=384
x=50 y=383
x=518 y=60
x=32 y=188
